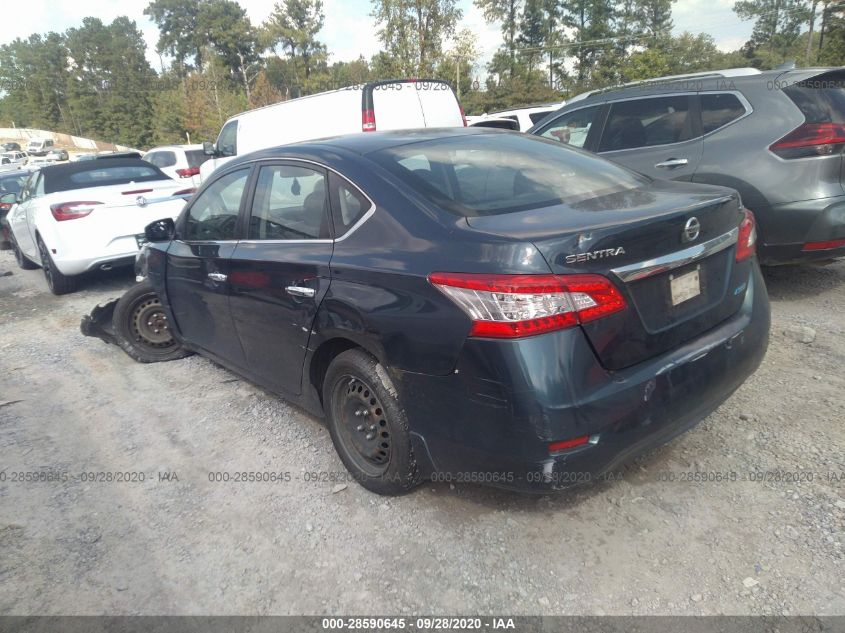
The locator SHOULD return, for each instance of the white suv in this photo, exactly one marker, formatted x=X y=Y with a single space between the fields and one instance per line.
x=178 y=161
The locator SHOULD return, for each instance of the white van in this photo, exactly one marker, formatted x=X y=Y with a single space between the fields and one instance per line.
x=39 y=146
x=380 y=105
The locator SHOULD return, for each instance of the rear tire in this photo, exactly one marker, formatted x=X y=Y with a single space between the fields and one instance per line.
x=20 y=258
x=367 y=424
x=58 y=283
x=141 y=328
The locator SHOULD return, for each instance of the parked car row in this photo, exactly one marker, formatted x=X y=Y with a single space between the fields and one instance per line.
x=451 y=300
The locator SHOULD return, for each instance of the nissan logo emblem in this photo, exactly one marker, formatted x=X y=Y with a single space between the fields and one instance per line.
x=691 y=230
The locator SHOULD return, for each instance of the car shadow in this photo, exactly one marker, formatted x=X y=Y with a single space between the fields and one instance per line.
x=116 y=279
x=790 y=283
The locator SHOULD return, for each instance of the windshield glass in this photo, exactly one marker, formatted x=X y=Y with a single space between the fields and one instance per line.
x=468 y=176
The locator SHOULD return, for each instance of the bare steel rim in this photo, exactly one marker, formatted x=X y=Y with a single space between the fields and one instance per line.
x=362 y=425
x=150 y=326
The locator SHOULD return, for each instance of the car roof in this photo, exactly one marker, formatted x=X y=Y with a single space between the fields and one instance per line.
x=72 y=167
x=366 y=143
x=172 y=147
x=15 y=172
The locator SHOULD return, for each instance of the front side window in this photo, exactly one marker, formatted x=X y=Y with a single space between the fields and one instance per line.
x=573 y=127
x=717 y=110
x=214 y=214
x=646 y=122
x=227 y=142
x=289 y=204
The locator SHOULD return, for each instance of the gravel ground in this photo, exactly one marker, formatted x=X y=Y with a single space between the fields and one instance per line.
x=177 y=543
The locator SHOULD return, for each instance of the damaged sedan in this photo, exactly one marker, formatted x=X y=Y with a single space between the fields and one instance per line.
x=529 y=323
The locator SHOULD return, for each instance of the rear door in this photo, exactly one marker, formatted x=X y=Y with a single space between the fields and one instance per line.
x=396 y=106
x=439 y=104
x=198 y=267
x=279 y=274
x=656 y=136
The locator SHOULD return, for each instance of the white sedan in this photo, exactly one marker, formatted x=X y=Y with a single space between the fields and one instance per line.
x=71 y=218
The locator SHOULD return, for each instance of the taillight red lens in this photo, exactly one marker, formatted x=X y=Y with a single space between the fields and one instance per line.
x=72 y=210
x=463 y=116
x=746 y=243
x=811 y=139
x=188 y=172
x=368 y=121
x=512 y=306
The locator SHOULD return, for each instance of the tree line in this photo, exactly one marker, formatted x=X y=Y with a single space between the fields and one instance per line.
x=95 y=80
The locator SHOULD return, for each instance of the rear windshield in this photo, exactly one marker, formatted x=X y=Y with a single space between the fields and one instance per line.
x=821 y=99
x=489 y=174
x=196 y=157
x=99 y=173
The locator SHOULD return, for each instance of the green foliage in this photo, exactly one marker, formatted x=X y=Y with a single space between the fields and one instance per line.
x=293 y=26
x=412 y=32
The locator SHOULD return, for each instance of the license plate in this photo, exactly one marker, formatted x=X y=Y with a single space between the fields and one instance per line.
x=141 y=239
x=684 y=287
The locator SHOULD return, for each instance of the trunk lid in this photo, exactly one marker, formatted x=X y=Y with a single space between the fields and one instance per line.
x=638 y=239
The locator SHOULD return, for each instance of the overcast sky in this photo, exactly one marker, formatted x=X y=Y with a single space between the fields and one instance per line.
x=348 y=30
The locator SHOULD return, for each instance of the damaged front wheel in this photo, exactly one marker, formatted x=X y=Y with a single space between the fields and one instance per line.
x=141 y=327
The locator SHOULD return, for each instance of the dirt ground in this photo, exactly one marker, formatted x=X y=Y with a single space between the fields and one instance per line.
x=656 y=542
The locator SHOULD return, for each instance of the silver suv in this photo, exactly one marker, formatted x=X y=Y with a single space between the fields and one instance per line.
x=777 y=137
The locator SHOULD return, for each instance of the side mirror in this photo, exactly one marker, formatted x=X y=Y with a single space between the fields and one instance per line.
x=160 y=230
x=9 y=198
x=209 y=149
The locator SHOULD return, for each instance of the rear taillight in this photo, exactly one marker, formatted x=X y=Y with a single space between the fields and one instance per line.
x=512 y=306
x=746 y=243
x=187 y=173
x=463 y=116
x=811 y=139
x=564 y=445
x=824 y=246
x=72 y=210
x=368 y=121
x=5 y=206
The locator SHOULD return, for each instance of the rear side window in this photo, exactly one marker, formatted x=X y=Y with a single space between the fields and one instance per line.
x=348 y=204
x=717 y=110
x=646 y=122
x=820 y=99
x=573 y=127
x=289 y=204
x=467 y=176
x=161 y=159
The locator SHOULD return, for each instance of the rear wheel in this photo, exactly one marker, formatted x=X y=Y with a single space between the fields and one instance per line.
x=58 y=283
x=20 y=258
x=141 y=327
x=367 y=424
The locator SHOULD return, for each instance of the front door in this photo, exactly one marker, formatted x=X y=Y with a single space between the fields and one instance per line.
x=280 y=273
x=198 y=268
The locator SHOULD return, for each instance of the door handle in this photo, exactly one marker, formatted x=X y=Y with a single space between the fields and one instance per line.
x=218 y=276
x=299 y=291
x=672 y=162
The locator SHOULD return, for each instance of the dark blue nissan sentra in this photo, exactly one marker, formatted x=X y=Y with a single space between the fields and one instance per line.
x=471 y=305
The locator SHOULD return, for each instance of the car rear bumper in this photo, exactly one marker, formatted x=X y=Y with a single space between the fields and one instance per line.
x=787 y=229
x=105 y=262
x=492 y=420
